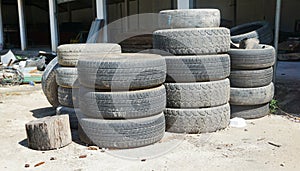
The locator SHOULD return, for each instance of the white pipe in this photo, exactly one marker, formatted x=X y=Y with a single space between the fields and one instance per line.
x=183 y=4
x=276 y=35
x=53 y=25
x=22 y=24
x=1 y=27
x=101 y=14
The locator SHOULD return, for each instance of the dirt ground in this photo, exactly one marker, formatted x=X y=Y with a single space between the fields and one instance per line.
x=246 y=148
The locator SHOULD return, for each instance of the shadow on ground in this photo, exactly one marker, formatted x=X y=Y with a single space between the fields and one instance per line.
x=43 y=112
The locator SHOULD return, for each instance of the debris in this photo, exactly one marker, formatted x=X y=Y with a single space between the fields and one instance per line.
x=273 y=144
x=282 y=164
x=102 y=150
x=53 y=158
x=10 y=76
x=27 y=165
x=219 y=148
x=9 y=57
x=93 y=148
x=83 y=156
x=245 y=130
x=238 y=123
x=225 y=155
x=143 y=160
x=40 y=163
x=261 y=139
x=251 y=43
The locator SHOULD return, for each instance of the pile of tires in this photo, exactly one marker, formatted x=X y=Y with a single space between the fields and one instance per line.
x=67 y=77
x=197 y=69
x=122 y=98
x=251 y=81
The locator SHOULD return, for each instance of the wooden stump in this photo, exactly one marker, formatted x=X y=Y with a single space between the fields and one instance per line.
x=49 y=133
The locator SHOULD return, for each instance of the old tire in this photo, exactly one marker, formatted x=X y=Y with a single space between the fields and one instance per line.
x=250 y=112
x=122 y=105
x=122 y=71
x=129 y=133
x=259 y=29
x=197 y=68
x=251 y=96
x=68 y=97
x=49 y=85
x=69 y=54
x=251 y=78
x=190 y=18
x=197 y=120
x=63 y=110
x=67 y=77
x=192 y=41
x=252 y=58
x=196 y=95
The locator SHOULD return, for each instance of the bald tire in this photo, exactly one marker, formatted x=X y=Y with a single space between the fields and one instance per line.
x=190 y=41
x=124 y=104
x=129 y=133
x=183 y=69
x=69 y=54
x=49 y=85
x=197 y=121
x=251 y=78
x=252 y=96
x=250 y=112
x=189 y=18
x=196 y=95
x=127 y=71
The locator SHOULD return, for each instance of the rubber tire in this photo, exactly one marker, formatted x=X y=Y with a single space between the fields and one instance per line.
x=251 y=78
x=69 y=54
x=252 y=96
x=189 y=18
x=83 y=137
x=63 y=110
x=197 y=121
x=250 y=112
x=122 y=105
x=259 y=29
x=129 y=133
x=49 y=85
x=122 y=71
x=184 y=69
x=192 y=40
x=68 y=97
x=252 y=58
x=196 y=95
x=67 y=77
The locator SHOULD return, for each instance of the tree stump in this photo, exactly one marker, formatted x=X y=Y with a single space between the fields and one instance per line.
x=49 y=133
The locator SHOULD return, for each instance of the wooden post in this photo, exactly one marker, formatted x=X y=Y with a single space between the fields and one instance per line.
x=49 y=133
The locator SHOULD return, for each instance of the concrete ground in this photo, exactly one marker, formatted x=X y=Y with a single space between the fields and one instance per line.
x=248 y=148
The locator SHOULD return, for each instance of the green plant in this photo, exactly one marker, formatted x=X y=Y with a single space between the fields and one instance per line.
x=273 y=106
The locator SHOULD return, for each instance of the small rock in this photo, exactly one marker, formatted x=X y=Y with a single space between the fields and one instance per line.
x=82 y=156
x=93 y=148
x=282 y=164
x=219 y=148
x=102 y=150
x=245 y=130
x=53 y=158
x=143 y=160
x=27 y=165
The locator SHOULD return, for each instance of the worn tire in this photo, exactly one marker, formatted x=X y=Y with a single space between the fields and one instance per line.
x=68 y=97
x=196 y=95
x=69 y=54
x=49 y=85
x=251 y=78
x=250 y=112
x=129 y=133
x=252 y=58
x=122 y=71
x=197 y=120
x=63 y=110
x=67 y=77
x=259 y=29
x=192 y=41
x=197 y=68
x=190 y=18
x=251 y=96
x=122 y=105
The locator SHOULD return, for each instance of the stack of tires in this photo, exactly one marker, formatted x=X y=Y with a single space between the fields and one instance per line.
x=197 y=85
x=67 y=76
x=251 y=81
x=122 y=98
